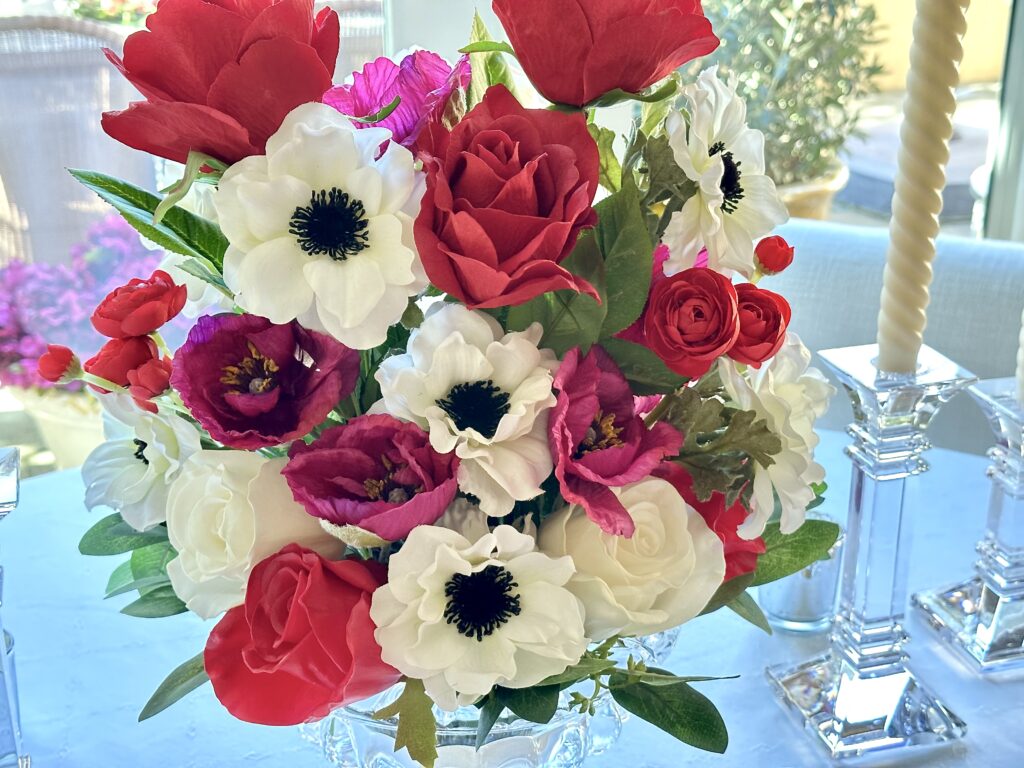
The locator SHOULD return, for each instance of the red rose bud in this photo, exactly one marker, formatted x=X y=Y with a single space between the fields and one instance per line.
x=692 y=320
x=140 y=307
x=59 y=364
x=149 y=380
x=575 y=51
x=119 y=356
x=773 y=254
x=764 y=317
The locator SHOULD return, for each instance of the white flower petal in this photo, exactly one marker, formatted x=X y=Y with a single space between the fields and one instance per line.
x=269 y=280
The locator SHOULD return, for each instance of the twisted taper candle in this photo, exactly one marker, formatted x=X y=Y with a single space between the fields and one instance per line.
x=1020 y=364
x=924 y=151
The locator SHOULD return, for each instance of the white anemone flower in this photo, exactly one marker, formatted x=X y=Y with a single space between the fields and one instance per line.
x=466 y=615
x=131 y=471
x=482 y=393
x=790 y=395
x=321 y=228
x=735 y=203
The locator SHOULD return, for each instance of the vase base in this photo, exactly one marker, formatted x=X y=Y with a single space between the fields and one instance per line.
x=855 y=715
x=983 y=628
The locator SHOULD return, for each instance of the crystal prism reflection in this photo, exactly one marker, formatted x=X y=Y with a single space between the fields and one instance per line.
x=982 y=618
x=860 y=697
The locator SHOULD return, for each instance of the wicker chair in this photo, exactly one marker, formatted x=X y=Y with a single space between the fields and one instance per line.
x=54 y=83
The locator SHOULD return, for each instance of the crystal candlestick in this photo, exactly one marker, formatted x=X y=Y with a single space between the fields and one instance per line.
x=860 y=697
x=982 y=618
x=11 y=752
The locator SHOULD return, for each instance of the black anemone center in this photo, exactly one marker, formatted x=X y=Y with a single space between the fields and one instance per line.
x=477 y=405
x=333 y=224
x=481 y=602
x=730 y=186
x=140 y=451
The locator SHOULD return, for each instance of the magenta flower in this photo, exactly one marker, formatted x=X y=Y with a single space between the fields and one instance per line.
x=424 y=81
x=599 y=441
x=253 y=384
x=377 y=473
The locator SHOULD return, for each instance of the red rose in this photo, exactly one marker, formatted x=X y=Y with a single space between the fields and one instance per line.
x=149 y=380
x=692 y=320
x=740 y=554
x=302 y=644
x=773 y=254
x=507 y=194
x=219 y=76
x=764 y=317
x=119 y=356
x=140 y=307
x=58 y=364
x=575 y=51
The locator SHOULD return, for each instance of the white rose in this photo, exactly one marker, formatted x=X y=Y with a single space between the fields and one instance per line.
x=227 y=511
x=790 y=395
x=660 y=578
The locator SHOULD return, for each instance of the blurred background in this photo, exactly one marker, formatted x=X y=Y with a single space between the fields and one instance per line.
x=823 y=79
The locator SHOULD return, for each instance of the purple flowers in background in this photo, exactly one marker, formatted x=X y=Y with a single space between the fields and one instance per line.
x=52 y=303
x=424 y=81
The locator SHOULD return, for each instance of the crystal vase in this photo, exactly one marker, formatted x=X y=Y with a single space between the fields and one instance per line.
x=861 y=697
x=982 y=617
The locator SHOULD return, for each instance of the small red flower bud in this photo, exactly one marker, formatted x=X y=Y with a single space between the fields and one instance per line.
x=59 y=364
x=773 y=254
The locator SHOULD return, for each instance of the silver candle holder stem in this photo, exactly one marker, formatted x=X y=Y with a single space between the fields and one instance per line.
x=982 y=618
x=861 y=697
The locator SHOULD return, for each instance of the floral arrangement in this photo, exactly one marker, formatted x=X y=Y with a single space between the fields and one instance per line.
x=42 y=302
x=488 y=397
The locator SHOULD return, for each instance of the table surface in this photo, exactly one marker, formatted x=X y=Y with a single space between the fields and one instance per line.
x=85 y=670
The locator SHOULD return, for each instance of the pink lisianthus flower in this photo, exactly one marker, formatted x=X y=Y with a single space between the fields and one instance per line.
x=376 y=473
x=598 y=439
x=424 y=81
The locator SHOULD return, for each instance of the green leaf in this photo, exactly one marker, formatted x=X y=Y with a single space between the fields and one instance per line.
x=656 y=676
x=487 y=67
x=677 y=709
x=417 y=729
x=536 y=704
x=202 y=269
x=193 y=171
x=610 y=175
x=156 y=604
x=586 y=668
x=412 y=318
x=181 y=682
x=666 y=90
x=652 y=116
x=645 y=371
x=489 y=714
x=113 y=536
x=122 y=575
x=626 y=246
x=180 y=231
x=488 y=46
x=728 y=592
x=665 y=179
x=569 y=319
x=746 y=608
x=785 y=555
x=381 y=114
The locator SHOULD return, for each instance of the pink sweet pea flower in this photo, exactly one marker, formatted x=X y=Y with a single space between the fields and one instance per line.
x=599 y=441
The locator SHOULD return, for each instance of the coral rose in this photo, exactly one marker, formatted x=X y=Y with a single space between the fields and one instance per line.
x=140 y=306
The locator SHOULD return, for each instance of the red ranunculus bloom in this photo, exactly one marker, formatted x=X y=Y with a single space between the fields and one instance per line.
x=219 y=76
x=764 y=317
x=302 y=644
x=375 y=472
x=691 y=320
x=773 y=254
x=58 y=363
x=575 y=51
x=598 y=440
x=139 y=307
x=252 y=384
x=149 y=380
x=118 y=357
x=507 y=195
x=740 y=554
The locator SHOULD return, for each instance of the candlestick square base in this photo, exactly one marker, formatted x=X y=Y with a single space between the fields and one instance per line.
x=853 y=715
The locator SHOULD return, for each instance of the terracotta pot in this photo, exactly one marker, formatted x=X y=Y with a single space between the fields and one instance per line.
x=71 y=424
x=812 y=199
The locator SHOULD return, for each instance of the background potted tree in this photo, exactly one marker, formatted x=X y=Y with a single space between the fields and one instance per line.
x=803 y=68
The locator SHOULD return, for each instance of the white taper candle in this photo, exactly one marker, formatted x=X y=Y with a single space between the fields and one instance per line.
x=1020 y=364
x=924 y=151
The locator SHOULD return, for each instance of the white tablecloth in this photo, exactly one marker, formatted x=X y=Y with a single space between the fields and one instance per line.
x=85 y=670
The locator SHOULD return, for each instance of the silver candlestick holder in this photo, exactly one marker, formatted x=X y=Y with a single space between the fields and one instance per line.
x=860 y=697
x=11 y=749
x=982 y=617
